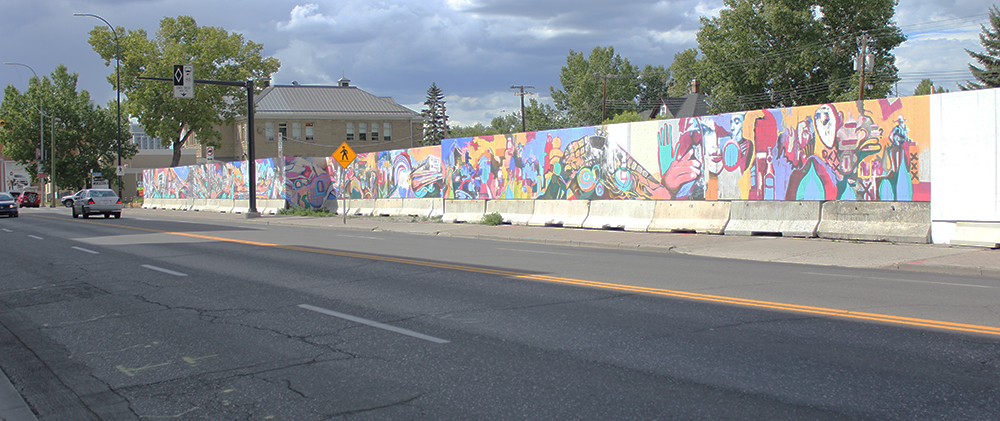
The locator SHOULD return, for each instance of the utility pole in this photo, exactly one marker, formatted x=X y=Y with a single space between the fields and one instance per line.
x=864 y=61
x=522 y=94
x=604 y=98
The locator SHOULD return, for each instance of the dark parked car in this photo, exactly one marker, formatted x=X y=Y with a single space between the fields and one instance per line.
x=8 y=206
x=29 y=199
x=97 y=201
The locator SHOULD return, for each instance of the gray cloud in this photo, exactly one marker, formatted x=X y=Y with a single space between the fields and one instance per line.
x=473 y=49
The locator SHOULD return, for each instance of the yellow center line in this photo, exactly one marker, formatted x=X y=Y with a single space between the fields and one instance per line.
x=885 y=318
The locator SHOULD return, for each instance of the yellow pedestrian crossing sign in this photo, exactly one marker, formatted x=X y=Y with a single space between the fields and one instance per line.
x=344 y=155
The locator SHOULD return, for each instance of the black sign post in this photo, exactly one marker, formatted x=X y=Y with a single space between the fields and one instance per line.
x=251 y=167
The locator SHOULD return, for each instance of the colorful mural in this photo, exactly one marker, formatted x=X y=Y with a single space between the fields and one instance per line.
x=867 y=150
x=212 y=181
x=871 y=150
x=404 y=174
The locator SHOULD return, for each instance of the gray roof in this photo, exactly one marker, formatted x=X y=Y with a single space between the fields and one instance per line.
x=329 y=102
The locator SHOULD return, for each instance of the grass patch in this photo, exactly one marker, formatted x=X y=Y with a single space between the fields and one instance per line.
x=492 y=219
x=307 y=212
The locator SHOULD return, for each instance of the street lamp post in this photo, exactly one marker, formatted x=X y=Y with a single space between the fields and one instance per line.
x=118 y=88
x=41 y=126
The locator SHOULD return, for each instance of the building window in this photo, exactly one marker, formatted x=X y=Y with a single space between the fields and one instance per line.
x=309 y=132
x=296 y=131
x=375 y=132
x=362 y=131
x=386 y=131
x=269 y=131
x=350 y=132
x=283 y=130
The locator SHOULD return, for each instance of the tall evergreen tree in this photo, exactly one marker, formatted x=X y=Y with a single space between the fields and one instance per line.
x=987 y=76
x=926 y=87
x=435 y=119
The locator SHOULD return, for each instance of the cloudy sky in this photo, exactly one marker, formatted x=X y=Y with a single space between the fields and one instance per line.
x=473 y=49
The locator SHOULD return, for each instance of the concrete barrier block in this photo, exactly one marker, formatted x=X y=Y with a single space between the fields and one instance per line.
x=690 y=216
x=199 y=205
x=789 y=219
x=240 y=206
x=270 y=206
x=388 y=207
x=463 y=210
x=227 y=205
x=516 y=211
x=563 y=213
x=362 y=207
x=628 y=215
x=212 y=205
x=422 y=207
x=898 y=222
x=978 y=234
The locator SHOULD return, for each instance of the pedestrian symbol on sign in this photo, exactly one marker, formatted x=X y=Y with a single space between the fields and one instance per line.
x=344 y=155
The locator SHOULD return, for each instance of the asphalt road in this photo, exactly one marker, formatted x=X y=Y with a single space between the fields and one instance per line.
x=161 y=319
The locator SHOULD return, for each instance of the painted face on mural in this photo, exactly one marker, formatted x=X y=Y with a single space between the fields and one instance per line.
x=795 y=148
x=826 y=122
x=710 y=142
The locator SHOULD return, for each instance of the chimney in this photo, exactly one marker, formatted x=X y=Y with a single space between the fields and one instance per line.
x=695 y=88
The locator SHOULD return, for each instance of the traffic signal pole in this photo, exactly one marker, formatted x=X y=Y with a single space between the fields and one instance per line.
x=251 y=165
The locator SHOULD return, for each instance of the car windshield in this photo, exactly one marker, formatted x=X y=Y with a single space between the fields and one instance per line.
x=6 y=196
x=102 y=193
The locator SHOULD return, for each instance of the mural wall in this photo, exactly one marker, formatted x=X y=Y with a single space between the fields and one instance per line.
x=871 y=150
x=868 y=150
x=212 y=181
x=402 y=173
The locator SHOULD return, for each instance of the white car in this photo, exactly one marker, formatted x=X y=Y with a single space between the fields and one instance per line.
x=96 y=202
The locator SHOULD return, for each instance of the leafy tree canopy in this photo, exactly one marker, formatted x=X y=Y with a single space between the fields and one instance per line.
x=596 y=86
x=85 y=135
x=988 y=75
x=215 y=55
x=772 y=53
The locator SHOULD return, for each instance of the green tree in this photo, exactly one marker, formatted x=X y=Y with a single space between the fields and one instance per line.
x=683 y=70
x=926 y=87
x=654 y=83
x=435 y=117
x=988 y=76
x=477 y=129
x=215 y=55
x=601 y=84
x=85 y=134
x=626 y=117
x=773 y=53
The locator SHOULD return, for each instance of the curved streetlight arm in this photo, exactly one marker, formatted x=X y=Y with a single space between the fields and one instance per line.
x=41 y=127
x=118 y=88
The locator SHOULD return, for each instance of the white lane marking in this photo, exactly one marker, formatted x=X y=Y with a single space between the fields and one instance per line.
x=85 y=250
x=536 y=251
x=36 y=237
x=359 y=236
x=901 y=280
x=167 y=271
x=7 y=230
x=375 y=324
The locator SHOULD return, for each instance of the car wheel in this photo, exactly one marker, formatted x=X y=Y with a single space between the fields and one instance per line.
x=118 y=215
x=74 y=213
x=86 y=213
x=107 y=215
x=68 y=203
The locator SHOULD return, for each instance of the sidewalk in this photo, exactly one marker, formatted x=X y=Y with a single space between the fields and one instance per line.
x=954 y=260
